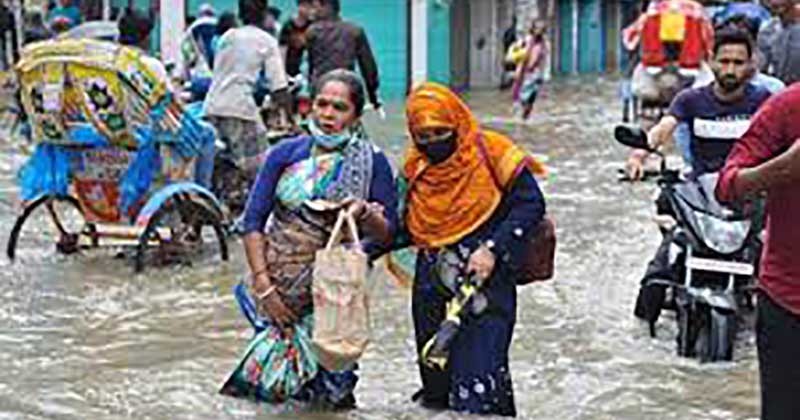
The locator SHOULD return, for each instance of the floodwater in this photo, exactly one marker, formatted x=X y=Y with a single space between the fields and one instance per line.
x=83 y=338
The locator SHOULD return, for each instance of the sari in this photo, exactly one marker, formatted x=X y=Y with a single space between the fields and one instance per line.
x=293 y=235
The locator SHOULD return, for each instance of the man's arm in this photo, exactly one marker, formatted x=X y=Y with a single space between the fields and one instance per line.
x=658 y=136
x=633 y=33
x=368 y=66
x=756 y=162
x=779 y=171
x=276 y=74
x=661 y=133
x=293 y=54
x=764 y=42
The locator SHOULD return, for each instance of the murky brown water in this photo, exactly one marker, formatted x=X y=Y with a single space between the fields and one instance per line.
x=83 y=338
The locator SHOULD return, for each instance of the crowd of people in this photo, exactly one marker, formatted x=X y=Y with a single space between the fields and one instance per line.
x=741 y=124
x=464 y=192
x=226 y=59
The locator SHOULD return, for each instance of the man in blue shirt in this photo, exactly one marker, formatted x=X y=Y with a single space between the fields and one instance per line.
x=716 y=114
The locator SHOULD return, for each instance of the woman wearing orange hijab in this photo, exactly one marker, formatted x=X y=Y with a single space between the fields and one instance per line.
x=471 y=199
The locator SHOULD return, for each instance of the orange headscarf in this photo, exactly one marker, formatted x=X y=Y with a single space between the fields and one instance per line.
x=450 y=200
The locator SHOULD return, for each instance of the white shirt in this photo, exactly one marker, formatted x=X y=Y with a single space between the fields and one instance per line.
x=243 y=53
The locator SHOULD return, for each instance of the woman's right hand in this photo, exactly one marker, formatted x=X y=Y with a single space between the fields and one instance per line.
x=272 y=304
x=278 y=312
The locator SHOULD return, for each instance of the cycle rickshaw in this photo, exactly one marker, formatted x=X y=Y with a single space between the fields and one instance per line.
x=117 y=160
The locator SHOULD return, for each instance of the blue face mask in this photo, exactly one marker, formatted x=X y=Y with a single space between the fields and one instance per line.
x=328 y=141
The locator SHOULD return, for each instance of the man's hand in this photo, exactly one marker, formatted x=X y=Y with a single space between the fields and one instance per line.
x=661 y=133
x=634 y=167
x=782 y=170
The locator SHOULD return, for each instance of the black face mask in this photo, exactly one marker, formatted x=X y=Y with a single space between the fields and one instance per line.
x=438 y=151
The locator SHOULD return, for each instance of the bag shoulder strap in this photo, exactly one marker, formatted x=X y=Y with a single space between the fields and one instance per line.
x=487 y=161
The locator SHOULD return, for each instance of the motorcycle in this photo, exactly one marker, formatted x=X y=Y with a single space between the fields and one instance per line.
x=707 y=261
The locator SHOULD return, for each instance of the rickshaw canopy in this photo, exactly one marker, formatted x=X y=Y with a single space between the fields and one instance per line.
x=67 y=84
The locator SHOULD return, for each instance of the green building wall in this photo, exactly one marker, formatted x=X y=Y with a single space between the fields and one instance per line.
x=439 y=41
x=385 y=22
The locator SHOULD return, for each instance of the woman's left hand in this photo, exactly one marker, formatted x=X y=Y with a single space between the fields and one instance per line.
x=481 y=262
x=363 y=210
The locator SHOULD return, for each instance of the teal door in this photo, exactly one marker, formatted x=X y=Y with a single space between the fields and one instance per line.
x=566 y=21
x=439 y=42
x=385 y=22
x=590 y=37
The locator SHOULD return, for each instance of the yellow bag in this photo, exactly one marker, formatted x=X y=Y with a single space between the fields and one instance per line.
x=673 y=25
x=341 y=310
x=517 y=52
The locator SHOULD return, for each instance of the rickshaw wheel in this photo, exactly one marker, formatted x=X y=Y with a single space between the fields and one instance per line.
x=62 y=215
x=182 y=219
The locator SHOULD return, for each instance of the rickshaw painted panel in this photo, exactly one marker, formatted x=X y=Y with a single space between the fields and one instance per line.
x=96 y=175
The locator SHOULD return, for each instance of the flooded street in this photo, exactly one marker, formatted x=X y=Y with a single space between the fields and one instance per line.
x=83 y=338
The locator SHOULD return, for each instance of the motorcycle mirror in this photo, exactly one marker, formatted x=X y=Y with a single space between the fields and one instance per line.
x=632 y=136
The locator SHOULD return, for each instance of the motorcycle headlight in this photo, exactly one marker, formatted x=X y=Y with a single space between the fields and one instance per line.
x=723 y=236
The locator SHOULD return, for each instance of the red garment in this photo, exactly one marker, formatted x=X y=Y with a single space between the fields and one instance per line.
x=696 y=46
x=774 y=129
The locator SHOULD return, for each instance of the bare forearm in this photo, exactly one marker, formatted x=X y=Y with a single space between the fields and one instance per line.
x=662 y=132
x=254 y=250
x=375 y=226
x=783 y=169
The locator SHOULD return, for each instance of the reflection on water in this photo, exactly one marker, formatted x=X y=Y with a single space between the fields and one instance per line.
x=82 y=338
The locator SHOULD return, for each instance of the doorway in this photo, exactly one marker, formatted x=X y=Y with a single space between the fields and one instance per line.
x=460 y=44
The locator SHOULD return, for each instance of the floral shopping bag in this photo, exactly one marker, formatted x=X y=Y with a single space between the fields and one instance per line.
x=341 y=310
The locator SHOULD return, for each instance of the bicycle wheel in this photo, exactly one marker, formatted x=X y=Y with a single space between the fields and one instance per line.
x=47 y=226
x=181 y=231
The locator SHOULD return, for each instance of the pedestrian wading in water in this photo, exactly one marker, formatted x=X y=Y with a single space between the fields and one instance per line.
x=337 y=163
x=472 y=202
x=531 y=68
